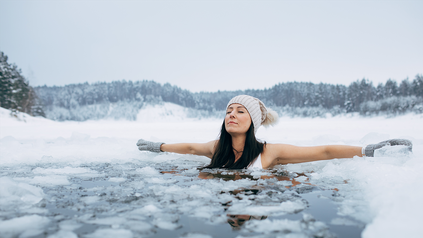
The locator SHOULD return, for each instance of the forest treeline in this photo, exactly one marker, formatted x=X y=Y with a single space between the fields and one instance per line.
x=15 y=92
x=123 y=99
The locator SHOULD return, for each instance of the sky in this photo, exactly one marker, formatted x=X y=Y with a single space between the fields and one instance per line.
x=213 y=45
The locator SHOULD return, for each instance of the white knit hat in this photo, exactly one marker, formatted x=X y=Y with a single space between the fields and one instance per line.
x=260 y=115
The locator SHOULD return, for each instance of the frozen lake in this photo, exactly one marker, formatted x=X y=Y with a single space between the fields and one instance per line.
x=88 y=179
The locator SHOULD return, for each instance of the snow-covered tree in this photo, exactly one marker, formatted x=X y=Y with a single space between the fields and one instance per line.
x=15 y=92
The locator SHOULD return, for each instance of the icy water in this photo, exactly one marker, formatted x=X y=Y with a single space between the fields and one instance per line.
x=137 y=199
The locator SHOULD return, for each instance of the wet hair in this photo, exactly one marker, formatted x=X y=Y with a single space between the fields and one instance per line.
x=224 y=156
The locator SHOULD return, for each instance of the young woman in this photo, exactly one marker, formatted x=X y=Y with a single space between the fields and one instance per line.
x=238 y=148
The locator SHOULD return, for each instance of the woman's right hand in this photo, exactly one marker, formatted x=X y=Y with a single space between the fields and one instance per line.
x=144 y=145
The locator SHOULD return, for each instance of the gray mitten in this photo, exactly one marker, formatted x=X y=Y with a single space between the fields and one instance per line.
x=149 y=145
x=369 y=150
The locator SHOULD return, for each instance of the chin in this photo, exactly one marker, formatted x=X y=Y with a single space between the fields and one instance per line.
x=230 y=130
x=233 y=132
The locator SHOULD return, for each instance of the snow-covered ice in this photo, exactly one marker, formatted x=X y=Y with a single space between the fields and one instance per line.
x=88 y=179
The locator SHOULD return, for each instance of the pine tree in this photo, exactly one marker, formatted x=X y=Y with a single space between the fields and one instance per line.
x=404 y=88
x=6 y=82
x=391 y=88
x=15 y=92
x=417 y=86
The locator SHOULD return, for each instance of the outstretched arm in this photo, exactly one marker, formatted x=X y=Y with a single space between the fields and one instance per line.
x=287 y=154
x=205 y=149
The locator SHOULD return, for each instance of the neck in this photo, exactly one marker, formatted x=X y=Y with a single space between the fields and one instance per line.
x=238 y=143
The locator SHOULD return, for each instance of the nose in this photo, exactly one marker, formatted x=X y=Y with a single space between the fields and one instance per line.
x=232 y=114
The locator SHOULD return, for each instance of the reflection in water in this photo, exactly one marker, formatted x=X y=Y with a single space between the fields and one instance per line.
x=236 y=221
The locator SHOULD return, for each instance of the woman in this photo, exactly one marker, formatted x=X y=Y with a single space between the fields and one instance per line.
x=238 y=148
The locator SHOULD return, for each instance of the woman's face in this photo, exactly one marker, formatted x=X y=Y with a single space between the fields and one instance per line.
x=237 y=120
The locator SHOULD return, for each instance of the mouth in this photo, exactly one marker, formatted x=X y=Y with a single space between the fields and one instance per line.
x=232 y=122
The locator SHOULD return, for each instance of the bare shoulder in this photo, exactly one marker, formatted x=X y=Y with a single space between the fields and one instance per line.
x=274 y=154
x=211 y=147
x=269 y=155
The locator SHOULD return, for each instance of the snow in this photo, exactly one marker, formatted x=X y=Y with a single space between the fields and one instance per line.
x=282 y=208
x=162 y=113
x=25 y=226
x=63 y=234
x=59 y=177
x=110 y=233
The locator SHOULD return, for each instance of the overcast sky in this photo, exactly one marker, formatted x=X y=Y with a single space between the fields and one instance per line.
x=213 y=45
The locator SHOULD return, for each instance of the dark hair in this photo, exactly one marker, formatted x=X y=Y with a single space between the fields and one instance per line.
x=224 y=156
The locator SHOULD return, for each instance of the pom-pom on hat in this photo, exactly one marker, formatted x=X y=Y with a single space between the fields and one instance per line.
x=260 y=115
